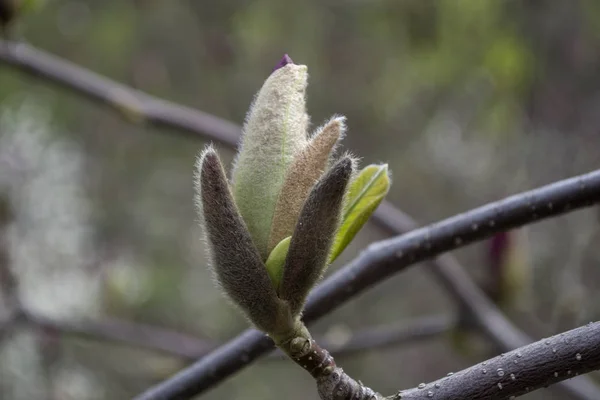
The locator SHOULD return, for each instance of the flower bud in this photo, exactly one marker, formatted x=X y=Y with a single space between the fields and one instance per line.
x=271 y=235
x=274 y=133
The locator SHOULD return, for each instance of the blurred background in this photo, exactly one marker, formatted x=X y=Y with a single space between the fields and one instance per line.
x=468 y=101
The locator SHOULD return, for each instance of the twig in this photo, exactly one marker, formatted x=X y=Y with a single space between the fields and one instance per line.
x=417 y=329
x=133 y=334
x=332 y=382
x=528 y=368
x=521 y=371
x=403 y=332
x=191 y=348
x=383 y=259
x=493 y=323
x=133 y=105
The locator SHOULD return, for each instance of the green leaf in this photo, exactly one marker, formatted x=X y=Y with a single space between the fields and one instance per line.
x=276 y=261
x=366 y=191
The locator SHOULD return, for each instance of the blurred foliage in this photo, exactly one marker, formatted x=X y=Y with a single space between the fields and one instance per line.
x=466 y=100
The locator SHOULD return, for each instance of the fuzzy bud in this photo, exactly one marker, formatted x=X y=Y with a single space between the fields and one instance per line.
x=305 y=170
x=271 y=235
x=274 y=132
x=235 y=260
x=311 y=242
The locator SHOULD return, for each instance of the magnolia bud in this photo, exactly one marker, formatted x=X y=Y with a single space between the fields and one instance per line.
x=510 y=269
x=270 y=238
x=274 y=132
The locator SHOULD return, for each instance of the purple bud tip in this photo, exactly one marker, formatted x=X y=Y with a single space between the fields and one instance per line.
x=498 y=248
x=283 y=62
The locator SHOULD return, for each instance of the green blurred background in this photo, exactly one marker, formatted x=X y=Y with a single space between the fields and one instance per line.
x=467 y=100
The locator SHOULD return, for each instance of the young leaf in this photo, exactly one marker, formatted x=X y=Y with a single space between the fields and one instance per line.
x=312 y=239
x=366 y=191
x=235 y=259
x=276 y=261
x=305 y=170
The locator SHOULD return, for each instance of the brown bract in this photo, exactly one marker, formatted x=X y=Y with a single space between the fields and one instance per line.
x=311 y=242
x=235 y=260
x=305 y=170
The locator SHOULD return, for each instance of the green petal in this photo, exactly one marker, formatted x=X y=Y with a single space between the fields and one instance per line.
x=276 y=261
x=366 y=191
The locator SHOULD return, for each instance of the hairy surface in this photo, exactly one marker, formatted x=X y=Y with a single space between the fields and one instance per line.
x=235 y=260
x=305 y=170
x=274 y=132
x=312 y=239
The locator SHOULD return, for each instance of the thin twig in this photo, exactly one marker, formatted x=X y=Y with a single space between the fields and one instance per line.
x=130 y=333
x=191 y=348
x=383 y=259
x=134 y=105
x=380 y=337
x=403 y=332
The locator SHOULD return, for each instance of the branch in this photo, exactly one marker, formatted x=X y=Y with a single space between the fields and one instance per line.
x=492 y=322
x=417 y=329
x=133 y=334
x=383 y=259
x=513 y=374
x=133 y=105
x=190 y=348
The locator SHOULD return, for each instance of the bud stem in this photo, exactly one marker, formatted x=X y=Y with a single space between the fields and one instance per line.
x=332 y=382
